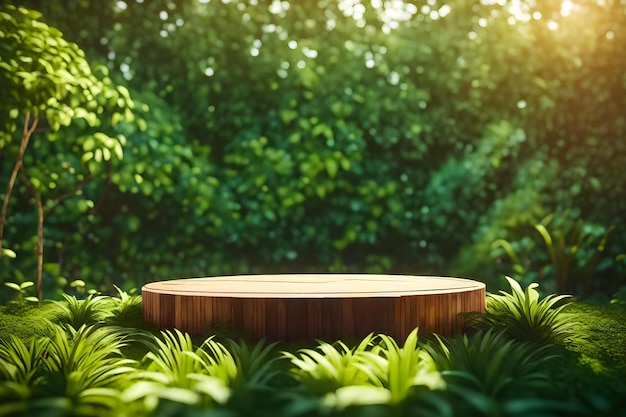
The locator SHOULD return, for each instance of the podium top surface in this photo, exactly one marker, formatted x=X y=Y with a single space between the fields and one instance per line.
x=313 y=286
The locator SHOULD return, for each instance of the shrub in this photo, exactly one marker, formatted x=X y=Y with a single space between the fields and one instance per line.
x=124 y=308
x=90 y=311
x=491 y=363
x=523 y=316
x=400 y=369
x=329 y=367
x=78 y=372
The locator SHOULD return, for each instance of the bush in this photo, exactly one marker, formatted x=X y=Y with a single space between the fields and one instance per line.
x=314 y=138
x=522 y=315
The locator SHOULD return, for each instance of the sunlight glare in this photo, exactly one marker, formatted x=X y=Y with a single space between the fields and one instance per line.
x=309 y=53
x=566 y=8
x=444 y=10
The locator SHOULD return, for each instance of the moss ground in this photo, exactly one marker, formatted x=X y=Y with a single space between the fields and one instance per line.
x=594 y=372
x=605 y=325
x=27 y=320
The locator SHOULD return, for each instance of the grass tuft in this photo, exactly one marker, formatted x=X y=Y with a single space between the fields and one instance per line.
x=522 y=315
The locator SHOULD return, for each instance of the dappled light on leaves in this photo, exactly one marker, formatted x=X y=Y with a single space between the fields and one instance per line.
x=388 y=136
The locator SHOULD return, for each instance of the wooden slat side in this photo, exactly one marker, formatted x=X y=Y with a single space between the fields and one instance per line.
x=364 y=317
x=326 y=320
x=437 y=315
x=207 y=314
x=147 y=307
x=390 y=323
x=458 y=325
x=198 y=317
x=296 y=311
x=189 y=309
x=248 y=316
x=450 y=314
x=271 y=319
x=483 y=299
x=437 y=323
x=281 y=319
x=259 y=318
x=386 y=317
x=408 y=320
x=430 y=314
x=415 y=314
x=420 y=312
x=398 y=313
x=168 y=304
x=236 y=311
x=314 y=318
x=348 y=328
x=178 y=305
x=335 y=306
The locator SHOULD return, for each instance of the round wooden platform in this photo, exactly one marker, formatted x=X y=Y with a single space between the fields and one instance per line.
x=314 y=306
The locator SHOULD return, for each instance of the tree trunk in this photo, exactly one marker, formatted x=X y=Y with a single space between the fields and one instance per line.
x=27 y=132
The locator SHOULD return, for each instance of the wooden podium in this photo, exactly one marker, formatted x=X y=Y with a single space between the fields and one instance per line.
x=314 y=306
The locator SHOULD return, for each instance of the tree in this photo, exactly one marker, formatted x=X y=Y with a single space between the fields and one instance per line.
x=291 y=135
x=48 y=84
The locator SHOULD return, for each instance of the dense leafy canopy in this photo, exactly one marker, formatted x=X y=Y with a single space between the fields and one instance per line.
x=299 y=136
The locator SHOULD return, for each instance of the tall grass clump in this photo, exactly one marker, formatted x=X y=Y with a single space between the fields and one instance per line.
x=88 y=361
x=329 y=367
x=491 y=363
x=377 y=372
x=489 y=374
x=74 y=372
x=179 y=372
x=124 y=308
x=401 y=369
x=524 y=316
x=93 y=310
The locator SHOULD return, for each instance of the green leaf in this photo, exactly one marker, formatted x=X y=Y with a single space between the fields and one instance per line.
x=133 y=223
x=89 y=144
x=26 y=284
x=118 y=150
x=287 y=115
x=9 y=253
x=331 y=167
x=87 y=156
x=13 y=286
x=142 y=125
x=116 y=118
x=356 y=395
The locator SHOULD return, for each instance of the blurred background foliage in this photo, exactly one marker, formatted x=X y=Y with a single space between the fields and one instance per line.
x=421 y=137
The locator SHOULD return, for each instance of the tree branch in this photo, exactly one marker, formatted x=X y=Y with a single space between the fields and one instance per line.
x=107 y=185
x=70 y=194
x=27 y=132
x=40 y=216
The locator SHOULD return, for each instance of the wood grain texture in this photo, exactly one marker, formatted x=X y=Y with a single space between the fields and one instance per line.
x=314 y=306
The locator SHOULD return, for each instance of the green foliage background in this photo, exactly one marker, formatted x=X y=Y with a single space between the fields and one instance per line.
x=274 y=136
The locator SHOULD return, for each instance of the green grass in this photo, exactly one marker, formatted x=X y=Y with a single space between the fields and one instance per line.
x=588 y=376
x=596 y=369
